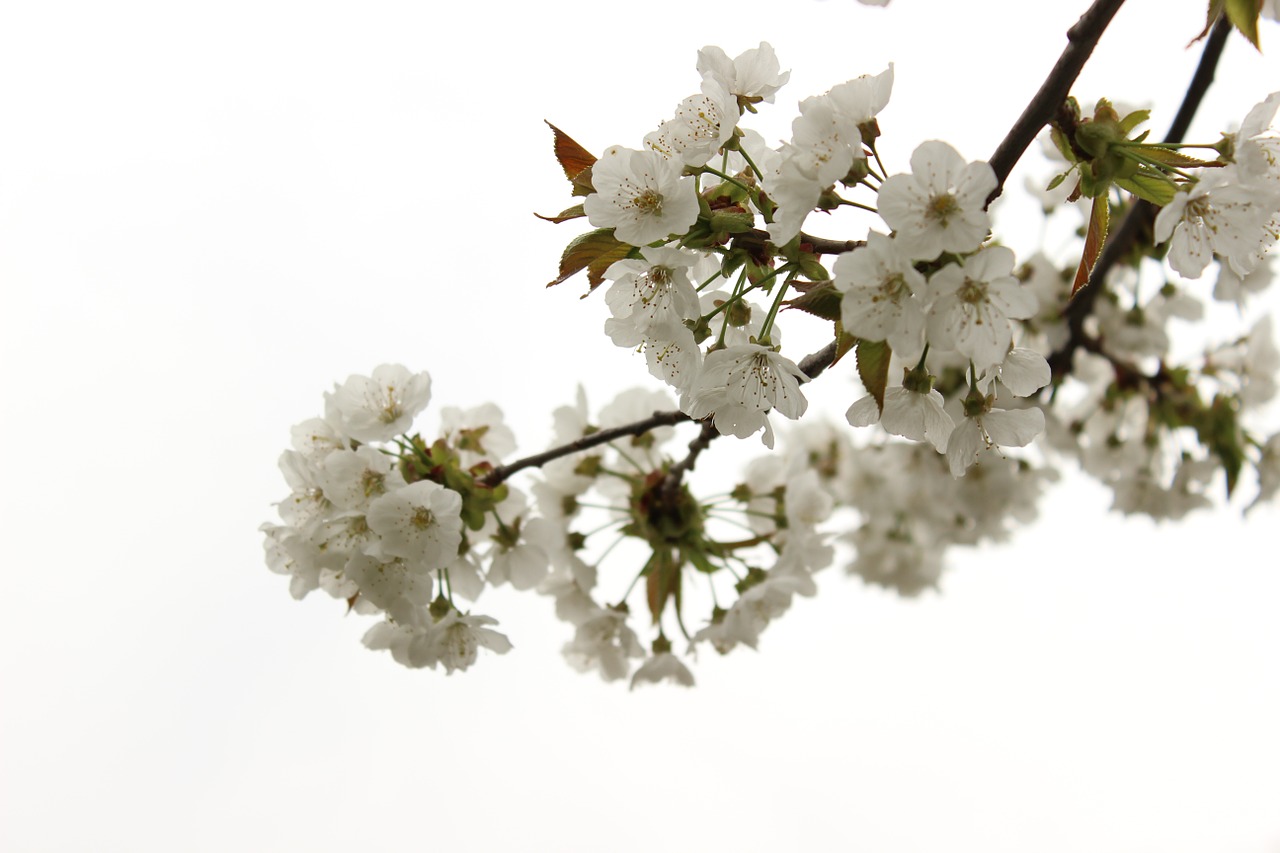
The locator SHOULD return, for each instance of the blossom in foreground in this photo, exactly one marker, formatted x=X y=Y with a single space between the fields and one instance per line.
x=1219 y=215
x=973 y=302
x=641 y=195
x=914 y=414
x=991 y=428
x=881 y=296
x=421 y=522
x=378 y=407
x=702 y=124
x=863 y=97
x=939 y=207
x=752 y=76
x=739 y=385
x=649 y=291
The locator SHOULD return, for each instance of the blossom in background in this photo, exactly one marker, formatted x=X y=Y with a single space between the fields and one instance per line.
x=641 y=195
x=939 y=207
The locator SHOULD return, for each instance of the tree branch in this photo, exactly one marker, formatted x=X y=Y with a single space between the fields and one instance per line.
x=811 y=365
x=604 y=436
x=1141 y=216
x=1081 y=40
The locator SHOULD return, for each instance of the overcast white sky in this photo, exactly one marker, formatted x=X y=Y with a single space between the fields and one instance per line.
x=211 y=212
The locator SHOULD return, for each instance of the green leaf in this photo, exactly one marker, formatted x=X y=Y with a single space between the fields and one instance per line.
x=1219 y=431
x=1133 y=119
x=1092 y=185
x=1177 y=159
x=662 y=582
x=1099 y=219
x=732 y=221
x=1243 y=15
x=873 y=368
x=811 y=267
x=575 y=212
x=1056 y=182
x=822 y=301
x=844 y=343
x=594 y=252
x=1149 y=186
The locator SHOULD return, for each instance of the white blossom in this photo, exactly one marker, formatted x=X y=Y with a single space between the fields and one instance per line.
x=740 y=385
x=420 y=522
x=881 y=296
x=378 y=407
x=753 y=75
x=939 y=207
x=641 y=195
x=973 y=302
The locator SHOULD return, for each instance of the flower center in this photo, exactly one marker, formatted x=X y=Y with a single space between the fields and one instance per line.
x=972 y=291
x=894 y=288
x=649 y=202
x=422 y=518
x=941 y=208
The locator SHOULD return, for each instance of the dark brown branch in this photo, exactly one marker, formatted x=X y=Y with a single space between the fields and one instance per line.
x=1081 y=40
x=604 y=436
x=1142 y=215
x=811 y=365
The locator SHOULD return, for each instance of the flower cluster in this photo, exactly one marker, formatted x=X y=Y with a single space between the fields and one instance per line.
x=382 y=520
x=700 y=234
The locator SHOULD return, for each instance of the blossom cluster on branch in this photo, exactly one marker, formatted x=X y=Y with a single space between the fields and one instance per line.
x=982 y=375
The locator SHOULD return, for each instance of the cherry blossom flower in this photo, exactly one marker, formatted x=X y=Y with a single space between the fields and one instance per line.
x=420 y=522
x=914 y=414
x=741 y=384
x=752 y=76
x=380 y=407
x=649 y=291
x=991 y=428
x=703 y=123
x=973 y=302
x=939 y=206
x=455 y=641
x=663 y=666
x=862 y=98
x=1220 y=214
x=881 y=296
x=641 y=195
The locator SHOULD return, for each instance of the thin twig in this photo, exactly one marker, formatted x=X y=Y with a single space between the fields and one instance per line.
x=604 y=436
x=1081 y=40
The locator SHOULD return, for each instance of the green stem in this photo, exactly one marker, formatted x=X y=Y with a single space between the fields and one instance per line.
x=737 y=183
x=773 y=312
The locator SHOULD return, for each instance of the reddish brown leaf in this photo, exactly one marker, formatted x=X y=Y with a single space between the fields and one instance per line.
x=594 y=252
x=575 y=212
x=571 y=156
x=1094 y=238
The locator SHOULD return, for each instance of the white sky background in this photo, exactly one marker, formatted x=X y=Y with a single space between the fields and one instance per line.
x=210 y=213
